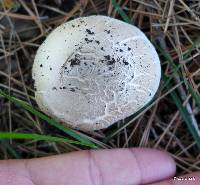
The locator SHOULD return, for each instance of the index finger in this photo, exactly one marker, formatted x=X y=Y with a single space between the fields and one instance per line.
x=103 y=167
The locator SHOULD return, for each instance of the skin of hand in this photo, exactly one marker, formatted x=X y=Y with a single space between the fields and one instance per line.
x=132 y=166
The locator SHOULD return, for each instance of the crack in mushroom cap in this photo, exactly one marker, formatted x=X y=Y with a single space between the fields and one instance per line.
x=93 y=71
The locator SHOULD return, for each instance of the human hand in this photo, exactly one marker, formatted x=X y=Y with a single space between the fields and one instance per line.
x=104 y=167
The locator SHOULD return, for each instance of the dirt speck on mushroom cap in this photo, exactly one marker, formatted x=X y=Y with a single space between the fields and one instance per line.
x=96 y=70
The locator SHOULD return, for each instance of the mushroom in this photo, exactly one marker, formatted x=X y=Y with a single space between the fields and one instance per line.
x=94 y=71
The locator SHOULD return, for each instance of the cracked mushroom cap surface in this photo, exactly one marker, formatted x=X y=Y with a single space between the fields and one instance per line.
x=94 y=71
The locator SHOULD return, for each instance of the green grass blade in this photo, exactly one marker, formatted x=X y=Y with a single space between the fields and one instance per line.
x=121 y=12
x=185 y=115
x=194 y=95
x=183 y=111
x=195 y=43
x=10 y=149
x=170 y=60
x=51 y=121
x=176 y=68
x=38 y=137
x=185 y=56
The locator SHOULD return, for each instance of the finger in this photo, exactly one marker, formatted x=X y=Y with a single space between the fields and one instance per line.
x=189 y=179
x=107 y=167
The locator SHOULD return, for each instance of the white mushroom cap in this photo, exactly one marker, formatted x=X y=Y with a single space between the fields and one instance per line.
x=93 y=71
